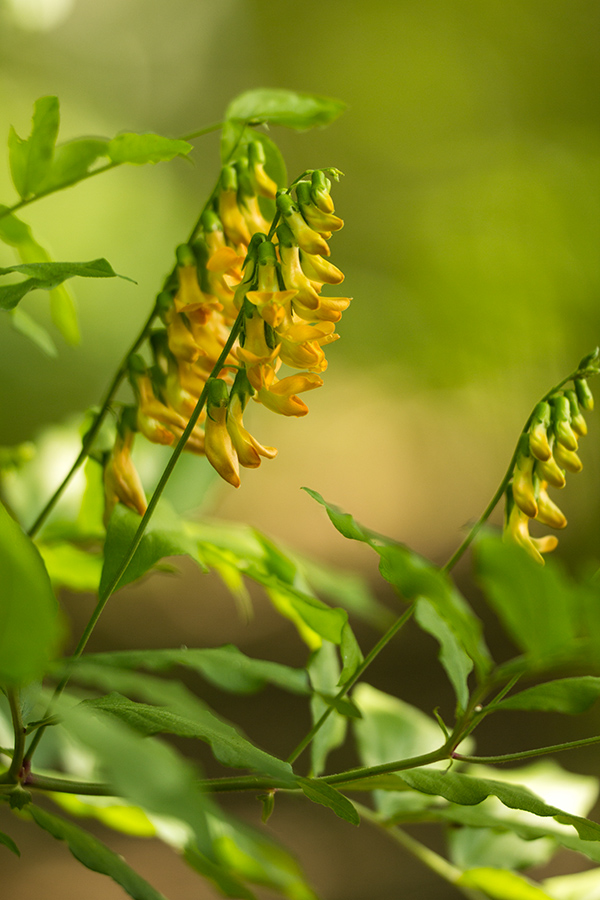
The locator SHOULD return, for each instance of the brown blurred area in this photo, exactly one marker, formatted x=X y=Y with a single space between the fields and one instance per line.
x=471 y=198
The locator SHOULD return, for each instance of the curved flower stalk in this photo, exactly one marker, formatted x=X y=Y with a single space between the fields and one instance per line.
x=546 y=451
x=270 y=273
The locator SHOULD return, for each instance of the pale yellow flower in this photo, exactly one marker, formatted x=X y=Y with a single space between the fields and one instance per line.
x=248 y=449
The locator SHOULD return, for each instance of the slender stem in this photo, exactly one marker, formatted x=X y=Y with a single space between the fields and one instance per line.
x=503 y=484
x=68 y=786
x=381 y=643
x=399 y=765
x=528 y=754
x=19 y=749
x=425 y=855
x=202 y=131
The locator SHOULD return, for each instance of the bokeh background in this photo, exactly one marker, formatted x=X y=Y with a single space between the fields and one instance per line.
x=471 y=198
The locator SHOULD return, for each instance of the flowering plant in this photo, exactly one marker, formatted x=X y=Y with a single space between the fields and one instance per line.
x=248 y=294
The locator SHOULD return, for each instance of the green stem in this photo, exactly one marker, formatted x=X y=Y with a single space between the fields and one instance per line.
x=433 y=861
x=528 y=754
x=381 y=643
x=68 y=786
x=503 y=484
x=16 y=764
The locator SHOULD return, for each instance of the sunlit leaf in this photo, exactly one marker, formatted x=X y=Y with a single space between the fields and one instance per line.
x=113 y=813
x=72 y=161
x=30 y=628
x=226 y=882
x=275 y=106
x=320 y=792
x=499 y=884
x=95 y=855
x=30 y=159
x=578 y=886
x=71 y=567
x=145 y=148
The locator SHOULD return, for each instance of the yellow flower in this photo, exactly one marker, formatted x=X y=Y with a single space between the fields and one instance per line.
x=517 y=531
x=261 y=182
x=301 y=345
x=522 y=486
x=548 y=511
x=121 y=480
x=330 y=309
x=272 y=303
x=218 y=445
x=234 y=224
x=181 y=340
x=549 y=471
x=256 y=351
x=295 y=279
x=323 y=222
x=306 y=237
x=280 y=396
x=248 y=450
x=568 y=459
x=318 y=269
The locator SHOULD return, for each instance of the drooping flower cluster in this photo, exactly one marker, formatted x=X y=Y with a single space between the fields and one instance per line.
x=546 y=451
x=264 y=278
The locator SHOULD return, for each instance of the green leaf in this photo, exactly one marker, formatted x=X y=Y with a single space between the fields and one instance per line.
x=179 y=709
x=95 y=855
x=71 y=567
x=30 y=628
x=416 y=577
x=30 y=159
x=536 y=604
x=452 y=655
x=112 y=812
x=471 y=848
x=320 y=792
x=64 y=314
x=144 y=771
x=48 y=275
x=72 y=161
x=564 y=695
x=324 y=671
x=343 y=705
x=165 y=535
x=468 y=790
x=145 y=148
x=36 y=333
x=8 y=842
x=578 y=886
x=12 y=230
x=275 y=106
x=226 y=667
x=499 y=884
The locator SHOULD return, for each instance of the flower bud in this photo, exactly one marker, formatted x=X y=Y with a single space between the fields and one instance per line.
x=538 y=432
x=522 y=483
x=262 y=183
x=568 y=459
x=318 y=269
x=218 y=446
x=578 y=423
x=584 y=394
x=321 y=221
x=320 y=191
x=306 y=237
x=561 y=420
x=548 y=511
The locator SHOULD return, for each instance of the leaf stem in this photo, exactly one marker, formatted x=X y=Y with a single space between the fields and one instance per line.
x=16 y=764
x=376 y=650
x=474 y=530
x=528 y=754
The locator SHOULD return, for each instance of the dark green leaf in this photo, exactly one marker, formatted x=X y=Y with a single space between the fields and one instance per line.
x=72 y=162
x=30 y=628
x=145 y=148
x=227 y=667
x=452 y=655
x=179 y=709
x=565 y=695
x=280 y=107
x=343 y=705
x=8 y=842
x=30 y=159
x=36 y=333
x=165 y=535
x=467 y=790
x=95 y=855
x=320 y=792
x=536 y=604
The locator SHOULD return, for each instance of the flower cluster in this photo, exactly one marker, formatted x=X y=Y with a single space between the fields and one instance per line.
x=547 y=449
x=264 y=279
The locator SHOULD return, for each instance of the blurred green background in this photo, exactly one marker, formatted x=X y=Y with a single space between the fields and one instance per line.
x=471 y=199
